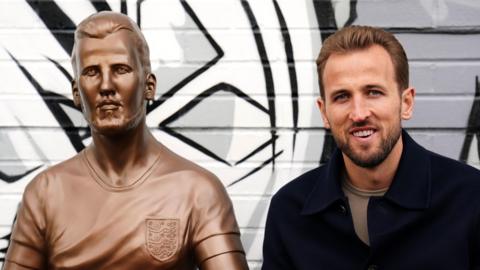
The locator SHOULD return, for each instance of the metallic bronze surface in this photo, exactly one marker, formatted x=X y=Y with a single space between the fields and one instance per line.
x=126 y=201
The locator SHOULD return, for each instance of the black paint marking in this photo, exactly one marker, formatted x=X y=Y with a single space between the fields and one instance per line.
x=197 y=100
x=61 y=69
x=14 y=178
x=139 y=12
x=53 y=101
x=258 y=149
x=199 y=71
x=292 y=73
x=7 y=238
x=123 y=7
x=56 y=21
x=353 y=12
x=325 y=18
x=473 y=128
x=265 y=163
x=214 y=89
x=101 y=5
x=195 y=145
x=270 y=87
x=4 y=250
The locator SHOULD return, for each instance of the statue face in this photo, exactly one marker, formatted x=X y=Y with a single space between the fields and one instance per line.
x=110 y=84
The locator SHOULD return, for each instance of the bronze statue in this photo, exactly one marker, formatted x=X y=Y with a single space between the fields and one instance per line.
x=125 y=201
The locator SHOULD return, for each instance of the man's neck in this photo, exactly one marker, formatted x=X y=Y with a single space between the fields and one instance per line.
x=378 y=177
x=124 y=157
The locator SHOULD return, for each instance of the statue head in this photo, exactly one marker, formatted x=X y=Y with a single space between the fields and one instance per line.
x=112 y=72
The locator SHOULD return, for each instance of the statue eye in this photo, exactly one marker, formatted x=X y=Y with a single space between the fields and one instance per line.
x=122 y=69
x=91 y=71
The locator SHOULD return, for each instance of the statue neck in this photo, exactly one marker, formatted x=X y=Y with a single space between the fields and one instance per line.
x=123 y=157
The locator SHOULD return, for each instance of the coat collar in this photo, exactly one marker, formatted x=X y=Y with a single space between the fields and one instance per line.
x=410 y=187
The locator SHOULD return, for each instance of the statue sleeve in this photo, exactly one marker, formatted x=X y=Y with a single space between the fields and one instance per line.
x=215 y=229
x=27 y=249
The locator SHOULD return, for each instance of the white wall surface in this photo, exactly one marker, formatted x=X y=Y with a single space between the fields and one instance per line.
x=237 y=87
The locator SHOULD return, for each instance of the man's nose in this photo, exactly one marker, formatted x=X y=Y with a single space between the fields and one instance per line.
x=360 y=110
x=106 y=85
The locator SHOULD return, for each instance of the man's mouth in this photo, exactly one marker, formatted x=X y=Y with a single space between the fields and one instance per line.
x=363 y=133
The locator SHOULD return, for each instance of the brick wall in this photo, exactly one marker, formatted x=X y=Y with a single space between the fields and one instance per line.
x=237 y=87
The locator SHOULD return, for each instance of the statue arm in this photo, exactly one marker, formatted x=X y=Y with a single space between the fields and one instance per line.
x=216 y=234
x=27 y=249
x=229 y=260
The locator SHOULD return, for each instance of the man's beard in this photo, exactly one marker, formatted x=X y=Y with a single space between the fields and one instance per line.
x=371 y=161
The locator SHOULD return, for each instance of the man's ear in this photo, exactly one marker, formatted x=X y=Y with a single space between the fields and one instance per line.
x=323 y=112
x=150 y=86
x=408 y=100
x=76 y=94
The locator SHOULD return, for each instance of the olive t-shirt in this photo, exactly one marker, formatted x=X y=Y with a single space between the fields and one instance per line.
x=358 y=200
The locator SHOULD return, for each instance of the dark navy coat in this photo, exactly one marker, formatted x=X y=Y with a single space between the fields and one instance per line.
x=429 y=219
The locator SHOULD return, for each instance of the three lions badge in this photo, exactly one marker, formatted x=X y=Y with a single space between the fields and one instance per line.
x=162 y=237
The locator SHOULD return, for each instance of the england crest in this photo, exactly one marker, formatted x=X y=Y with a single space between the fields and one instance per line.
x=162 y=237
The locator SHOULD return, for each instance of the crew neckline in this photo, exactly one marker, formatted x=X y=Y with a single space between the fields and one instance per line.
x=100 y=177
x=363 y=192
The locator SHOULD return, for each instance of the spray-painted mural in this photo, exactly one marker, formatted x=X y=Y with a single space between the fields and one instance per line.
x=237 y=85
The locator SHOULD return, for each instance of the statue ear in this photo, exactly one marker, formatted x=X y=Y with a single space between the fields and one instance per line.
x=76 y=94
x=150 y=86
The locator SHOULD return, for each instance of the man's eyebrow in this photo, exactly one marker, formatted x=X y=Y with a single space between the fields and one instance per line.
x=370 y=86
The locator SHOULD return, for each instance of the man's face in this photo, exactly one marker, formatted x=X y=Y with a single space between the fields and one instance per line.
x=363 y=106
x=110 y=83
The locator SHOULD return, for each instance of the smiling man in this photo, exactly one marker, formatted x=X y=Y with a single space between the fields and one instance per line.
x=126 y=201
x=382 y=201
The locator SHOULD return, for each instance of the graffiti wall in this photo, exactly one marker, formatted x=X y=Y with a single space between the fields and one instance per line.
x=236 y=87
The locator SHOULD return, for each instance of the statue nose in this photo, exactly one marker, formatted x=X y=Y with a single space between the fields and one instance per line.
x=106 y=86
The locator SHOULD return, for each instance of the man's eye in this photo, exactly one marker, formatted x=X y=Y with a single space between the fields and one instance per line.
x=340 y=97
x=374 y=93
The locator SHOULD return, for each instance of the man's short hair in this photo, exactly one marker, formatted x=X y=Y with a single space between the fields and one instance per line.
x=352 y=38
x=102 y=24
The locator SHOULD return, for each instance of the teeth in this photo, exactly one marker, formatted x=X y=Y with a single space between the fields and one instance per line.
x=363 y=133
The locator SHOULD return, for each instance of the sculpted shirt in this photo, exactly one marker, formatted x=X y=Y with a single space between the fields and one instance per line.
x=175 y=216
x=429 y=219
